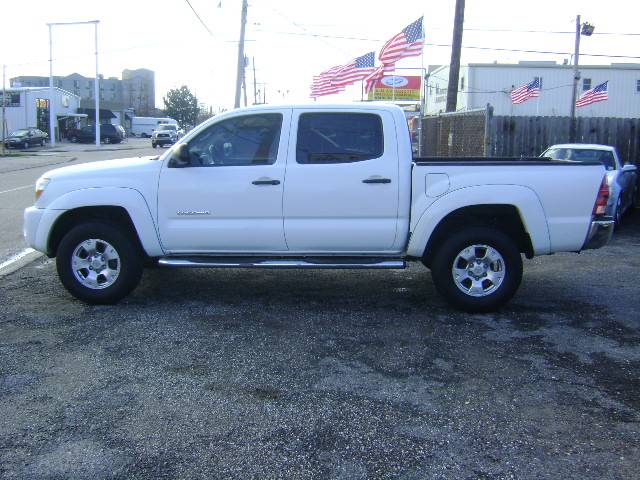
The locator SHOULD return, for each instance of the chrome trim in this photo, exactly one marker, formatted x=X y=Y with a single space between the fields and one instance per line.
x=204 y=262
x=600 y=233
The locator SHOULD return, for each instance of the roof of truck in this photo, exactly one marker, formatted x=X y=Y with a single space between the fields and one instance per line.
x=584 y=146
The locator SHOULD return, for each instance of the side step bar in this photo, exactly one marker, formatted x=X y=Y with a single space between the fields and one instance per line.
x=306 y=262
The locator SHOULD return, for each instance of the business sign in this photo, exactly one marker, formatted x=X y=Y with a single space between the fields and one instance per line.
x=396 y=87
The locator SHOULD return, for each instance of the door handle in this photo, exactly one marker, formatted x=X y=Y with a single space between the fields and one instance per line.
x=376 y=180
x=266 y=181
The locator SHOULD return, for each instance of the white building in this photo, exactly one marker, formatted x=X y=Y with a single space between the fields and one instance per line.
x=482 y=83
x=29 y=107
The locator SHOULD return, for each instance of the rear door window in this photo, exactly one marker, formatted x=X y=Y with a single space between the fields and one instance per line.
x=339 y=138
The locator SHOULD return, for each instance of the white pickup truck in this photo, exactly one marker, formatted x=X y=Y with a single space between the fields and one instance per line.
x=322 y=186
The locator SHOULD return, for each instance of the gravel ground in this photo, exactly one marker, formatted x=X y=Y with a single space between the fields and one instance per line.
x=325 y=374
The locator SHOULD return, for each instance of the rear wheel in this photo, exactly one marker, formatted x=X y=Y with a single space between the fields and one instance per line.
x=99 y=264
x=25 y=145
x=478 y=269
x=42 y=142
x=107 y=139
x=618 y=213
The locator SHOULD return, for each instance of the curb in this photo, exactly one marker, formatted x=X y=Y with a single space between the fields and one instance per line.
x=18 y=261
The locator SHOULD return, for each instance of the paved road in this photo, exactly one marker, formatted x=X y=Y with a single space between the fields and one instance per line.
x=18 y=176
x=325 y=374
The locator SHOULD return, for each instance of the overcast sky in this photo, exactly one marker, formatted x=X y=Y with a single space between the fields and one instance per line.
x=284 y=38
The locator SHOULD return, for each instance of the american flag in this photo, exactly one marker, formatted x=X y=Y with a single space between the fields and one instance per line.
x=599 y=93
x=355 y=70
x=525 y=92
x=408 y=43
x=322 y=83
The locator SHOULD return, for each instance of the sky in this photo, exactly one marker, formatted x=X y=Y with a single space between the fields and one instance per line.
x=290 y=41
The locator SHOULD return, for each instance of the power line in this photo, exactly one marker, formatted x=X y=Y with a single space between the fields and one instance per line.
x=508 y=30
x=448 y=45
x=198 y=17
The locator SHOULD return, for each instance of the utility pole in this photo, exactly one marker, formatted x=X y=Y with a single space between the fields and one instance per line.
x=255 y=92
x=240 y=72
x=576 y=77
x=456 y=47
x=4 y=103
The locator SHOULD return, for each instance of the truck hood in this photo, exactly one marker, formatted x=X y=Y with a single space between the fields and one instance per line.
x=138 y=173
x=107 y=169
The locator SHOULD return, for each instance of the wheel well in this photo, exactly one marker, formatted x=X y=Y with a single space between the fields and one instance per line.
x=505 y=218
x=114 y=215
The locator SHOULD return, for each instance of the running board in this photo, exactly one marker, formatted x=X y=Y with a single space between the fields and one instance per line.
x=307 y=262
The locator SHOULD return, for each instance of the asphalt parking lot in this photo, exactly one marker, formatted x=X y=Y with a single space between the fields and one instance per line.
x=325 y=374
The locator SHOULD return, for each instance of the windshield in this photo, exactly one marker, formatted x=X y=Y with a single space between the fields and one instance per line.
x=20 y=133
x=167 y=127
x=582 y=155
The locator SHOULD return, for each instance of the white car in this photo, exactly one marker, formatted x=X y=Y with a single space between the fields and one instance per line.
x=621 y=178
x=314 y=186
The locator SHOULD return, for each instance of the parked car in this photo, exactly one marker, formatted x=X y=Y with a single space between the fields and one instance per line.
x=108 y=134
x=353 y=198
x=166 y=134
x=25 y=138
x=621 y=178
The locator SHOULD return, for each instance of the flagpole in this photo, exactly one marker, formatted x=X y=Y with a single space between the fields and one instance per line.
x=422 y=95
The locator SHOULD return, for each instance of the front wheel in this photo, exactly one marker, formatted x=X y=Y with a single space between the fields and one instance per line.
x=98 y=263
x=478 y=269
x=107 y=139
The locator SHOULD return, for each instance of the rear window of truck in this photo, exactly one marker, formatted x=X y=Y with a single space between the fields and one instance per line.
x=339 y=137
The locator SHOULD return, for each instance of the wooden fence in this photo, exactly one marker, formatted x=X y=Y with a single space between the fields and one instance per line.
x=480 y=133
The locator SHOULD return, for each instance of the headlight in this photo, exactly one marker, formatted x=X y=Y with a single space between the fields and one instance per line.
x=41 y=184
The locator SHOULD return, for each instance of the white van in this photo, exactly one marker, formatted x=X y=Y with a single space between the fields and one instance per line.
x=144 y=126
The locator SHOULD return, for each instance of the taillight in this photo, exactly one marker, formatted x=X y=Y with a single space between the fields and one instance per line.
x=602 y=199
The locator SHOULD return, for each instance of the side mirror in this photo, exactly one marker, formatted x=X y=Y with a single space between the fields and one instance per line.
x=180 y=157
x=628 y=167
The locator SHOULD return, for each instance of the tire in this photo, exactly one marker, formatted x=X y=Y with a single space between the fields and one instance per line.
x=25 y=146
x=43 y=142
x=617 y=216
x=74 y=139
x=121 y=270
x=153 y=145
x=494 y=279
x=107 y=140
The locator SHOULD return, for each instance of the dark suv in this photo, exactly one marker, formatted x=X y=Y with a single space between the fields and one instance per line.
x=108 y=134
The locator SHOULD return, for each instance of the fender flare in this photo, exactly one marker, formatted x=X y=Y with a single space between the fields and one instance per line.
x=128 y=198
x=522 y=198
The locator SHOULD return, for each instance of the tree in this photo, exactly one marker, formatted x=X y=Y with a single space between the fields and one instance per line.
x=181 y=105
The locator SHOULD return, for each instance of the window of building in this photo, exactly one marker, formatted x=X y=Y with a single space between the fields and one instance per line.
x=238 y=141
x=461 y=83
x=586 y=84
x=539 y=81
x=638 y=86
x=339 y=137
x=76 y=84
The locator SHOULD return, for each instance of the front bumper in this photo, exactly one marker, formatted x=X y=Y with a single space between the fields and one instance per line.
x=599 y=233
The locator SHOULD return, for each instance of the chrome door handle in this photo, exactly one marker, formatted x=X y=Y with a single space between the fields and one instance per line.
x=376 y=180
x=266 y=181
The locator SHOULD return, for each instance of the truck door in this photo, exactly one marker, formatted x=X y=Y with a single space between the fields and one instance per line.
x=341 y=189
x=229 y=197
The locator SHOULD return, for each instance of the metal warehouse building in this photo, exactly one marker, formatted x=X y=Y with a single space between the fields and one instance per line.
x=482 y=83
x=29 y=107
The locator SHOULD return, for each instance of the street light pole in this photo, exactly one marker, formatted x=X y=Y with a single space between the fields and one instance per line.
x=576 y=77
x=97 y=87
x=52 y=107
x=4 y=103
